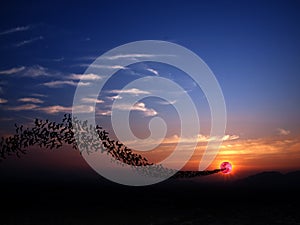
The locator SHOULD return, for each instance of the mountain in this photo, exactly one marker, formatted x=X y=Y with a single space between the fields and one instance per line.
x=271 y=180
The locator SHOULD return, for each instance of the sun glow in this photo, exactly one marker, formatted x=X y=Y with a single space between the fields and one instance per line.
x=226 y=167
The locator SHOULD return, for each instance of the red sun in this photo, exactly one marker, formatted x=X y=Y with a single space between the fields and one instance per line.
x=226 y=167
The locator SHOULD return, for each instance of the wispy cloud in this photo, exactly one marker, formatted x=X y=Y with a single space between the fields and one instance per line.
x=103 y=112
x=153 y=71
x=161 y=102
x=61 y=83
x=2 y=101
x=22 y=107
x=37 y=71
x=30 y=71
x=38 y=95
x=133 y=56
x=278 y=147
x=54 y=109
x=112 y=98
x=133 y=91
x=186 y=142
x=91 y=100
x=15 y=29
x=32 y=100
x=64 y=109
x=89 y=76
x=29 y=41
x=73 y=80
x=13 y=70
x=103 y=66
x=200 y=138
x=283 y=132
x=140 y=106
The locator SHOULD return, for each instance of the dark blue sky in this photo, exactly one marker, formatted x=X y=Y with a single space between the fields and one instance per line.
x=251 y=46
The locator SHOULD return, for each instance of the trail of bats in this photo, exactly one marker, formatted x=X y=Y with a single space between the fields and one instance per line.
x=83 y=137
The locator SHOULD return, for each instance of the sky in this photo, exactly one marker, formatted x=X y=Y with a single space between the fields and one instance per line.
x=252 y=47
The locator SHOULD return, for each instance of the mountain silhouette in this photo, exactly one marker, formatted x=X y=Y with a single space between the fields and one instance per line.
x=271 y=179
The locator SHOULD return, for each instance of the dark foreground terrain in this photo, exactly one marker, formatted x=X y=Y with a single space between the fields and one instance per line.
x=266 y=198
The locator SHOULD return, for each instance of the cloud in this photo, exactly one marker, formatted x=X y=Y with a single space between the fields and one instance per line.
x=230 y=137
x=60 y=83
x=29 y=41
x=37 y=71
x=72 y=80
x=103 y=66
x=133 y=91
x=38 y=95
x=15 y=29
x=140 y=106
x=200 y=138
x=89 y=76
x=22 y=107
x=32 y=100
x=64 y=109
x=91 y=100
x=262 y=147
x=103 y=112
x=112 y=98
x=187 y=143
x=130 y=56
x=54 y=109
x=13 y=70
x=153 y=71
x=32 y=71
x=162 y=102
x=136 y=55
x=2 y=101
x=283 y=132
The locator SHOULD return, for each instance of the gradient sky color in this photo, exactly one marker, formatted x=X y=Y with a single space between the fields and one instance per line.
x=251 y=46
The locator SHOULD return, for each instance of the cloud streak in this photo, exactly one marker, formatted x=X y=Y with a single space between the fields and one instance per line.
x=133 y=91
x=153 y=71
x=37 y=71
x=22 y=107
x=103 y=66
x=29 y=41
x=32 y=100
x=140 y=106
x=91 y=100
x=2 y=101
x=15 y=29
x=89 y=76
x=61 y=83
x=13 y=70
x=54 y=109
x=283 y=132
x=134 y=56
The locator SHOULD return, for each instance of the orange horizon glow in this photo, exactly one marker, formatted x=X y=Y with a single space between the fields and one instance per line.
x=257 y=154
x=247 y=156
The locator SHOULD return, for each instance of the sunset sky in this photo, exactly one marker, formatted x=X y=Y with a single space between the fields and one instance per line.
x=252 y=47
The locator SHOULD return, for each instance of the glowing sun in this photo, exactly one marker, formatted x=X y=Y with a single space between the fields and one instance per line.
x=226 y=167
